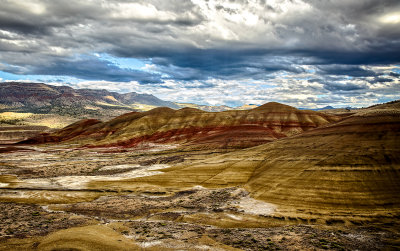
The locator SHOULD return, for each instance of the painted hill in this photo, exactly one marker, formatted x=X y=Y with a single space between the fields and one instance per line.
x=195 y=128
x=56 y=101
x=348 y=167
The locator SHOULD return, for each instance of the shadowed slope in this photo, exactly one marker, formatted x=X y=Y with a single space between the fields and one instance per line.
x=204 y=129
x=74 y=130
x=12 y=134
x=352 y=164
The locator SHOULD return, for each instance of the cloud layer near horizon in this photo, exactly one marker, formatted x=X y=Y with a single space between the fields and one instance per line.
x=303 y=53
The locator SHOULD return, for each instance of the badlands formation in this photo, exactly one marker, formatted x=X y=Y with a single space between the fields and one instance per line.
x=270 y=178
x=189 y=126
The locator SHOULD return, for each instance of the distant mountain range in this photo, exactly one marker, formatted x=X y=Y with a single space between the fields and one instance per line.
x=39 y=104
x=218 y=108
x=207 y=108
x=20 y=102
x=328 y=108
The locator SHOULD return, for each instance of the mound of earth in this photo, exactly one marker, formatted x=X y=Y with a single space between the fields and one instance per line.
x=350 y=165
x=87 y=238
x=194 y=127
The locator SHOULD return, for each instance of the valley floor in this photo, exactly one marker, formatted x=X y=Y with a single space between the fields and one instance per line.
x=50 y=197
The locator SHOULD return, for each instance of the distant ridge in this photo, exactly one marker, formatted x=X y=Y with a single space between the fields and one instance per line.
x=40 y=98
x=218 y=108
x=207 y=108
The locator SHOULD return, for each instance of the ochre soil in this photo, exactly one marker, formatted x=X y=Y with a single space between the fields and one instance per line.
x=157 y=218
x=334 y=187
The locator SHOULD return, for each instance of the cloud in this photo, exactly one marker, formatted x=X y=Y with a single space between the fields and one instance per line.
x=346 y=70
x=344 y=87
x=85 y=67
x=380 y=80
x=394 y=74
x=309 y=51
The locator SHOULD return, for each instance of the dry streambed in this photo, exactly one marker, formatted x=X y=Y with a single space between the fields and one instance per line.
x=68 y=189
x=53 y=175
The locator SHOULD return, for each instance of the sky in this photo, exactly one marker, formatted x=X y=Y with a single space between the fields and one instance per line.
x=307 y=54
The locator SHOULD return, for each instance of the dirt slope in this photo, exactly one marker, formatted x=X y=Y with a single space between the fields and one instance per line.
x=197 y=128
x=353 y=164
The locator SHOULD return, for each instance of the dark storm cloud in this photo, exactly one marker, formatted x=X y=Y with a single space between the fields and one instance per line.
x=88 y=68
x=22 y=26
x=41 y=17
x=349 y=70
x=383 y=53
x=380 y=80
x=394 y=74
x=113 y=27
x=196 y=64
x=337 y=87
x=201 y=40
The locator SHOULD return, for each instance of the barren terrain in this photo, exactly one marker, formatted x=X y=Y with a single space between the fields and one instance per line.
x=333 y=185
x=45 y=189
